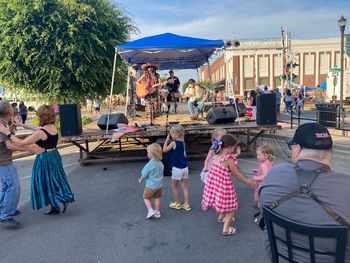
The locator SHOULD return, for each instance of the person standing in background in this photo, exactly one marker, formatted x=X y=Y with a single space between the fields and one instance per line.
x=23 y=111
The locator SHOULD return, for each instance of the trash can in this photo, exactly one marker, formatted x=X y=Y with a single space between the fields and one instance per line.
x=327 y=114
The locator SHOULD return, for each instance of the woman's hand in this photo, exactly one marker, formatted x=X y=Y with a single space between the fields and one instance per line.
x=35 y=149
x=17 y=120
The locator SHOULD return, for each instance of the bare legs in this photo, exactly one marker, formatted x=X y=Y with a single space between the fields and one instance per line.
x=149 y=204
x=175 y=189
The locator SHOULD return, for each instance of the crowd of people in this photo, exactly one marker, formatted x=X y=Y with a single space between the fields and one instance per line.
x=311 y=152
x=311 y=148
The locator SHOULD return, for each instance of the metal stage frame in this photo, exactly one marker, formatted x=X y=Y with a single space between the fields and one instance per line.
x=132 y=146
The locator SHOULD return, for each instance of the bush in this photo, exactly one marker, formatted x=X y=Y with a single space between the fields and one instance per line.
x=35 y=121
x=86 y=120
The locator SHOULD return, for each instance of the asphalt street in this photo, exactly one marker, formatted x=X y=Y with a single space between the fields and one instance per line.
x=107 y=223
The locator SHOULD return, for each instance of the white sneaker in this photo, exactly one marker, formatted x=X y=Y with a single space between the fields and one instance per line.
x=150 y=213
x=156 y=214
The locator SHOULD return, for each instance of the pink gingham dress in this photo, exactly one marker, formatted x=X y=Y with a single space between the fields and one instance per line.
x=219 y=191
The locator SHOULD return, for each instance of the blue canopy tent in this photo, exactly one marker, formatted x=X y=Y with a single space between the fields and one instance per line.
x=324 y=85
x=168 y=50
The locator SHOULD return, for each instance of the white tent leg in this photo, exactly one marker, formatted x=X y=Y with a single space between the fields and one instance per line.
x=111 y=92
x=127 y=102
x=210 y=81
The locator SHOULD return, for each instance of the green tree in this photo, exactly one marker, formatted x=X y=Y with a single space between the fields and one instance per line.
x=62 y=49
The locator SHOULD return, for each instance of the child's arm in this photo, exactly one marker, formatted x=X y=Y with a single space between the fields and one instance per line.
x=264 y=172
x=238 y=151
x=168 y=145
x=238 y=175
x=207 y=159
x=145 y=172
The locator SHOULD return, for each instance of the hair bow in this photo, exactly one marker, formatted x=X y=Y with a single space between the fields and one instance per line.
x=217 y=146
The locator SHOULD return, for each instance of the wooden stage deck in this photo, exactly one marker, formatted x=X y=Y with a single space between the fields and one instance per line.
x=132 y=146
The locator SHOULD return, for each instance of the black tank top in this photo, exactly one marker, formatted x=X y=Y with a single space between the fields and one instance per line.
x=50 y=142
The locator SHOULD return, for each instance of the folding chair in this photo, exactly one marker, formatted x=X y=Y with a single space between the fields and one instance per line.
x=282 y=236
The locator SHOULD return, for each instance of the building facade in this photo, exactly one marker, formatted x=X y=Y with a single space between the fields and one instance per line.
x=253 y=64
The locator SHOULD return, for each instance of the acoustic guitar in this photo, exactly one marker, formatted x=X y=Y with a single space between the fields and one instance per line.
x=144 y=88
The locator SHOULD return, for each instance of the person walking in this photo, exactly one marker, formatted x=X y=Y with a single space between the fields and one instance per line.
x=49 y=181
x=152 y=173
x=23 y=111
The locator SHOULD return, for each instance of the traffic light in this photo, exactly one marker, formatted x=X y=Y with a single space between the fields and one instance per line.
x=293 y=65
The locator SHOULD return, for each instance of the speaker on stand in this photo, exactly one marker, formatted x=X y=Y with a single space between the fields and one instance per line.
x=70 y=120
x=266 y=113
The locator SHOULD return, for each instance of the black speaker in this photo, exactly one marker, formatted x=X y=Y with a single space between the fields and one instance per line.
x=70 y=120
x=217 y=115
x=113 y=120
x=242 y=110
x=266 y=113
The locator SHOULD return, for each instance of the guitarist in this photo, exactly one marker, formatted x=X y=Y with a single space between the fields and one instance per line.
x=151 y=80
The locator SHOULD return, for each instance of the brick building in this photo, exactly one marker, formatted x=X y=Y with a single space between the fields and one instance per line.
x=263 y=64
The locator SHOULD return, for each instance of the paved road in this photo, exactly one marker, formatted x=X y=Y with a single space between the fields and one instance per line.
x=107 y=222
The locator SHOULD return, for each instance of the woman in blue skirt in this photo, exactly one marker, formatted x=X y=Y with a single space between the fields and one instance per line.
x=49 y=182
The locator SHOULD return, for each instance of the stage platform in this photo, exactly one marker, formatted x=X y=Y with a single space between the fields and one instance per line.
x=132 y=146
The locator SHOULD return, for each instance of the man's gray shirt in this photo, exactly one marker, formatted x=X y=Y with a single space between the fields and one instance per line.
x=332 y=189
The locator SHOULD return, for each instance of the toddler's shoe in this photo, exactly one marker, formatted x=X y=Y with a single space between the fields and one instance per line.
x=156 y=214
x=150 y=213
x=175 y=205
x=186 y=207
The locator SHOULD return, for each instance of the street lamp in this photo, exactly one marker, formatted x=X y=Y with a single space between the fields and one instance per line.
x=342 y=23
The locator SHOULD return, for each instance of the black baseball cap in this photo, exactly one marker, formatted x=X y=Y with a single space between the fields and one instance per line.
x=312 y=136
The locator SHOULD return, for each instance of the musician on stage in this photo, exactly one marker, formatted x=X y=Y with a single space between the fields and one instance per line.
x=173 y=84
x=151 y=80
x=195 y=95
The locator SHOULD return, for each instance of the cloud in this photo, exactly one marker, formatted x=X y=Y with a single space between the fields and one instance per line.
x=226 y=19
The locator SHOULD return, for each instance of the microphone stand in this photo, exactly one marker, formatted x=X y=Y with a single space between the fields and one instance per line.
x=166 y=123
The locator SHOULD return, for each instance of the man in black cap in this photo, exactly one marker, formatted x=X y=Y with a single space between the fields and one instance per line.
x=173 y=84
x=311 y=149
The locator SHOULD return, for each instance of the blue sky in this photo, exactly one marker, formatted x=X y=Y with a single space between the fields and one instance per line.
x=237 y=19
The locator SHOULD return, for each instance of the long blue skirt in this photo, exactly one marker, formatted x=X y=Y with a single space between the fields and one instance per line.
x=49 y=181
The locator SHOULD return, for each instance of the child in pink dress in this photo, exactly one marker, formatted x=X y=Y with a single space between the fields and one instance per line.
x=216 y=140
x=219 y=191
x=265 y=156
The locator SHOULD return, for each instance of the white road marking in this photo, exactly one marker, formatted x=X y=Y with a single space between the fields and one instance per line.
x=64 y=166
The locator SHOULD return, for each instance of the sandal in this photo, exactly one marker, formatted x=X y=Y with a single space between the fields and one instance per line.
x=186 y=207
x=222 y=220
x=175 y=205
x=231 y=231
